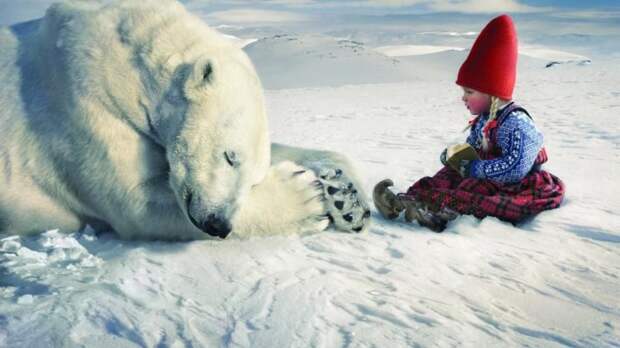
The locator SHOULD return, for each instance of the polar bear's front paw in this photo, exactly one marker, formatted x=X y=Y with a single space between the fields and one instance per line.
x=305 y=207
x=346 y=209
x=288 y=200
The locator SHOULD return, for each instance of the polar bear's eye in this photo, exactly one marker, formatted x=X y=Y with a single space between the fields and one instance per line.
x=206 y=73
x=231 y=158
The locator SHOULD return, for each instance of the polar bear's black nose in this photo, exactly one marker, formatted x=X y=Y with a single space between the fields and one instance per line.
x=216 y=226
x=213 y=225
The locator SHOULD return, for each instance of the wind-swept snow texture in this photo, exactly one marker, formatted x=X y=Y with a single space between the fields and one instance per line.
x=551 y=282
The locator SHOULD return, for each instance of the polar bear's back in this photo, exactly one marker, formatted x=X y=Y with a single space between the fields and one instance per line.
x=159 y=29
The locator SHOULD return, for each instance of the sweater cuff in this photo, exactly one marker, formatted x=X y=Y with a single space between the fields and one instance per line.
x=476 y=169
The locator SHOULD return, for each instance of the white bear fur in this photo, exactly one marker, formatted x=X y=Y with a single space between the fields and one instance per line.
x=119 y=116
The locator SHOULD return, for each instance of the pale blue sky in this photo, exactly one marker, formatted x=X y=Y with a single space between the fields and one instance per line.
x=14 y=11
x=586 y=27
x=574 y=3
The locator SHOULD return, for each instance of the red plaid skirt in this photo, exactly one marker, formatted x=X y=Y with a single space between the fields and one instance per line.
x=538 y=191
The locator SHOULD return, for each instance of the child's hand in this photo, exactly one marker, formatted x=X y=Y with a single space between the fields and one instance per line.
x=464 y=166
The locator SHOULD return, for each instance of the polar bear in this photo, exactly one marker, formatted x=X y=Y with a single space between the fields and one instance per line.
x=136 y=116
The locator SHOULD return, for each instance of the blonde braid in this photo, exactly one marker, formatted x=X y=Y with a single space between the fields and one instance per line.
x=492 y=114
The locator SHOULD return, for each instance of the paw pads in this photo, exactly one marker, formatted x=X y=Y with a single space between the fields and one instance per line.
x=330 y=173
x=332 y=190
x=346 y=209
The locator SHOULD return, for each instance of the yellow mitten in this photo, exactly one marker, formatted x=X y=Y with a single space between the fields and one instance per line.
x=386 y=201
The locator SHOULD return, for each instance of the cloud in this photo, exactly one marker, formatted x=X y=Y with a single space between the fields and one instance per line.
x=588 y=14
x=194 y=3
x=463 y=6
x=482 y=6
x=246 y=15
x=290 y=2
x=396 y=3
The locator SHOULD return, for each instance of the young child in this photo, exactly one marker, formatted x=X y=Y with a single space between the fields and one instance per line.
x=507 y=181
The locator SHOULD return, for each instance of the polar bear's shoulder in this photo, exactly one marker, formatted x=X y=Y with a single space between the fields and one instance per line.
x=58 y=15
x=145 y=25
x=66 y=10
x=64 y=16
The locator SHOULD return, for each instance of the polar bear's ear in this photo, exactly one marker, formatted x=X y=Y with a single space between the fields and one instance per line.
x=200 y=73
x=196 y=77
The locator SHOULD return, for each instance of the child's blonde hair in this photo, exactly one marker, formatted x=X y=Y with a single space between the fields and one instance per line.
x=495 y=101
x=492 y=114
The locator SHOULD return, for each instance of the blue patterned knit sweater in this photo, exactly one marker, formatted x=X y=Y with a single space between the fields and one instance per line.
x=519 y=141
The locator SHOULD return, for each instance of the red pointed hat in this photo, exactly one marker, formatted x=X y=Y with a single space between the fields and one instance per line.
x=491 y=66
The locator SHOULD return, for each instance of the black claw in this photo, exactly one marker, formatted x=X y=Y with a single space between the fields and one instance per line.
x=367 y=213
x=339 y=204
x=331 y=190
x=348 y=217
x=338 y=172
x=331 y=219
x=358 y=229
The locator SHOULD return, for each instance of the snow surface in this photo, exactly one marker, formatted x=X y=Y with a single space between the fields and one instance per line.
x=552 y=282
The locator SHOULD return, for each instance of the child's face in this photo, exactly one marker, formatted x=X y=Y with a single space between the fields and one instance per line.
x=476 y=102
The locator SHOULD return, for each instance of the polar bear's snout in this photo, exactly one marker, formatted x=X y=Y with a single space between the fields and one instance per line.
x=215 y=224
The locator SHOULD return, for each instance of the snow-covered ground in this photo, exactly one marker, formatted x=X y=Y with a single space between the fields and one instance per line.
x=552 y=282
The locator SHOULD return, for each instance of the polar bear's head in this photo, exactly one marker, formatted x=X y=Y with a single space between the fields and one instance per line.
x=182 y=86
x=210 y=116
x=212 y=123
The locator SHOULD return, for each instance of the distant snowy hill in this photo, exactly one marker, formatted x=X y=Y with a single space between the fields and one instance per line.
x=317 y=60
x=313 y=60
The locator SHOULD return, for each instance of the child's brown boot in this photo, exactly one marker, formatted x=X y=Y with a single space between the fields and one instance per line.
x=386 y=201
x=425 y=217
x=447 y=214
